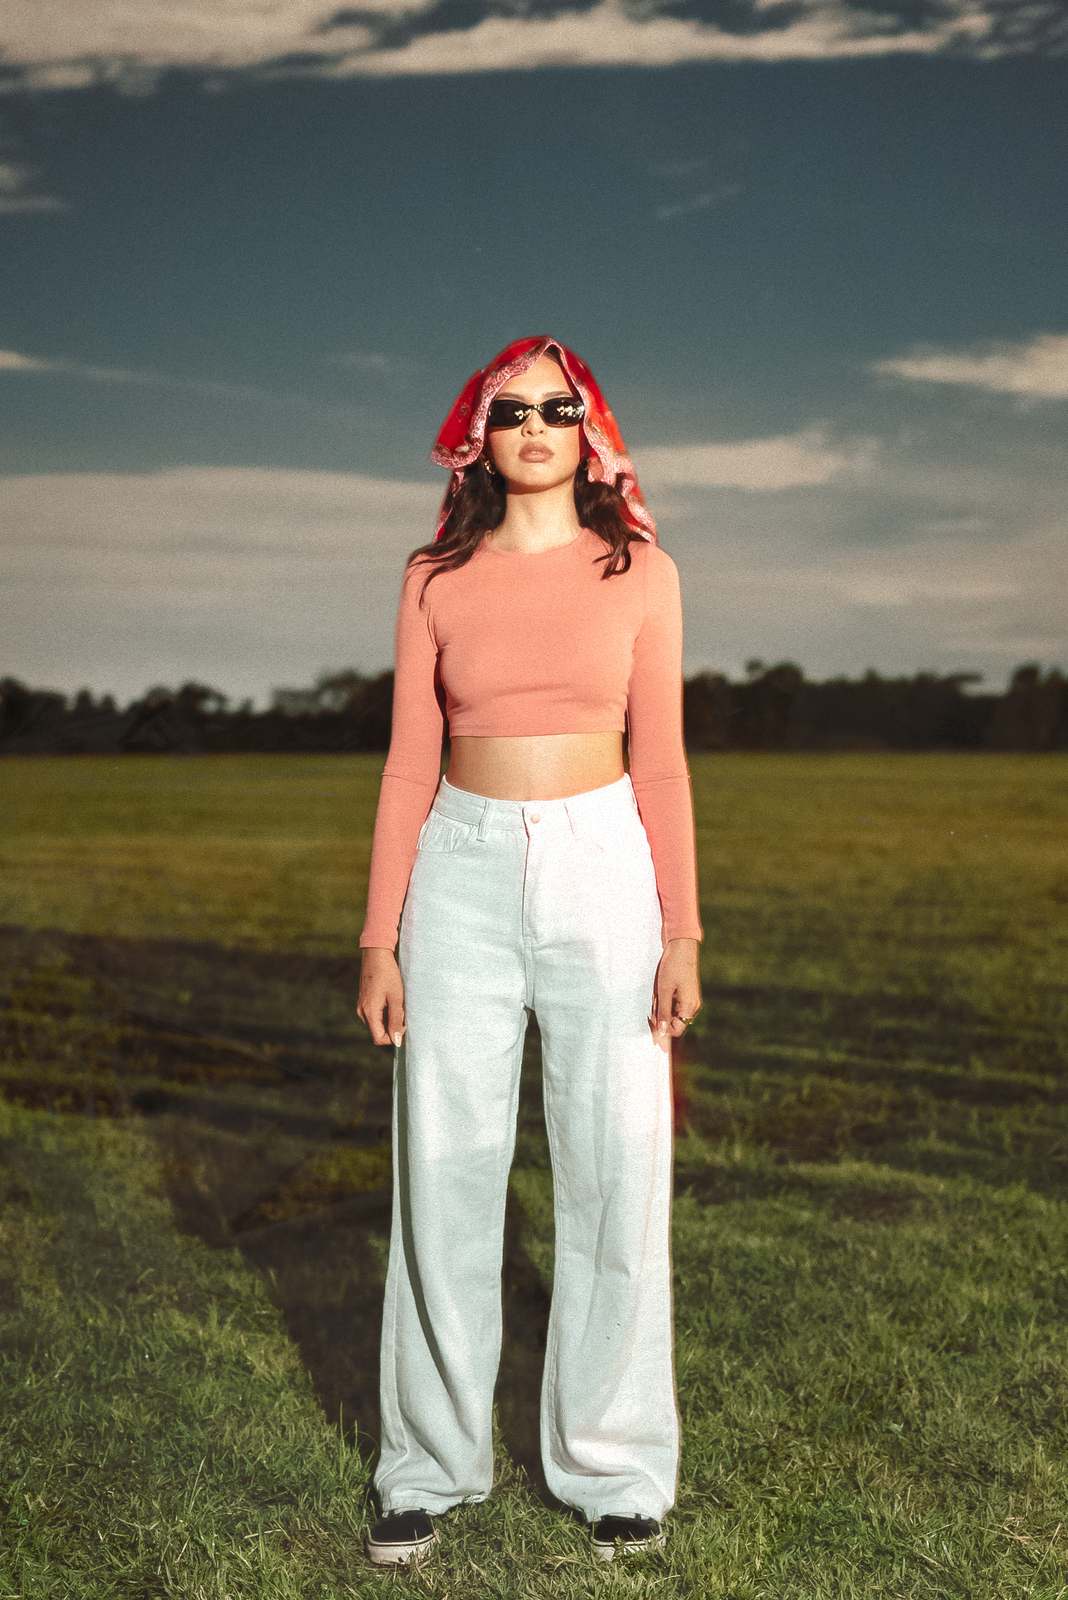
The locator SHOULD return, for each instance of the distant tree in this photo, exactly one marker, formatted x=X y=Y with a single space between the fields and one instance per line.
x=332 y=691
x=201 y=700
x=708 y=710
x=375 y=716
x=776 y=708
x=29 y=713
x=771 y=708
x=1033 y=715
x=336 y=690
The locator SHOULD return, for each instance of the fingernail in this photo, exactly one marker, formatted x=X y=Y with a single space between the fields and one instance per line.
x=397 y=1040
x=661 y=1027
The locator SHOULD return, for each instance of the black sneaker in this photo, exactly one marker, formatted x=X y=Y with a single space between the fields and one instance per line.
x=620 y=1535
x=400 y=1537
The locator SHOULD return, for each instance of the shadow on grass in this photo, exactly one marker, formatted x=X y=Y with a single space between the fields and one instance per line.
x=248 y=1067
x=904 y=1081
x=252 y=1071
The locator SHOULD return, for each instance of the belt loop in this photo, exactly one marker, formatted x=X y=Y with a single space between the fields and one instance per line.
x=483 y=823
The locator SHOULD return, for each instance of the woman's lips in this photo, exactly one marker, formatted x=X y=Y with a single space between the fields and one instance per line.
x=535 y=452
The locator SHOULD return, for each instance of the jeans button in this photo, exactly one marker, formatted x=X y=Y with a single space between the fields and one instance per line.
x=536 y=817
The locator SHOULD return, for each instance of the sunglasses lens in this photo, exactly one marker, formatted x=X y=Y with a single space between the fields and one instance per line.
x=506 y=414
x=563 y=413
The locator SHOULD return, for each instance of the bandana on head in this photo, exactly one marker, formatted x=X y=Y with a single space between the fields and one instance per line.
x=463 y=435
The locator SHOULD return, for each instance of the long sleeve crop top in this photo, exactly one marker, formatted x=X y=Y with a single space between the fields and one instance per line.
x=513 y=644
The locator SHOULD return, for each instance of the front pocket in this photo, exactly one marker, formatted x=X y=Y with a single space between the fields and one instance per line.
x=440 y=835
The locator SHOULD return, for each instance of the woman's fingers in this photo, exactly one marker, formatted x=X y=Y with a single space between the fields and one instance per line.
x=676 y=993
x=663 y=1001
x=373 y=1010
x=395 y=1017
x=382 y=997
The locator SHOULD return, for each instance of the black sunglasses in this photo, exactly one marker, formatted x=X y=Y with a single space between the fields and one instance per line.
x=565 y=412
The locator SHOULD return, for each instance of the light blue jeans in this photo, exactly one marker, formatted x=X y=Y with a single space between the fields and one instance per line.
x=545 y=907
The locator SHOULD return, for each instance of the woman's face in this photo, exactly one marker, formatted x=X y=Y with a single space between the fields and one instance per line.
x=534 y=456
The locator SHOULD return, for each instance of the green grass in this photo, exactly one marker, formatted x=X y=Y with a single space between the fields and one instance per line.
x=871 y=1229
x=159 y=1433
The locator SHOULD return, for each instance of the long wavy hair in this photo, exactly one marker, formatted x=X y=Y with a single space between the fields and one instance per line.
x=478 y=507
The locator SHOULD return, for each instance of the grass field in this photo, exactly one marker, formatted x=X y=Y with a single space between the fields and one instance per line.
x=871 y=1247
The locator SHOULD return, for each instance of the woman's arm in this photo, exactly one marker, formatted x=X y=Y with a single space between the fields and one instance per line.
x=661 y=782
x=409 y=783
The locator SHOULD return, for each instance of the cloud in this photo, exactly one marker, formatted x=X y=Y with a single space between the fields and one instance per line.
x=942 y=548
x=57 y=44
x=836 y=603
x=700 y=202
x=791 y=461
x=372 y=364
x=1035 y=370
x=607 y=35
x=248 y=577
x=20 y=190
x=14 y=362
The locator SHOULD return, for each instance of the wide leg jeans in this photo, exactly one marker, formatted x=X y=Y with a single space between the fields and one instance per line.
x=545 y=907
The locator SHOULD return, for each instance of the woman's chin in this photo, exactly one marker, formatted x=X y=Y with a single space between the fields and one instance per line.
x=530 y=477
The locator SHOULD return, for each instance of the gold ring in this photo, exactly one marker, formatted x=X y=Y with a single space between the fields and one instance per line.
x=685 y=1019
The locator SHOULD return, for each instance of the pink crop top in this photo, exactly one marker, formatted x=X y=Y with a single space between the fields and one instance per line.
x=539 y=644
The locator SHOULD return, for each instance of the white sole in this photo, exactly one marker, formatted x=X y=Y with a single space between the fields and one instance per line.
x=605 y=1552
x=400 y=1555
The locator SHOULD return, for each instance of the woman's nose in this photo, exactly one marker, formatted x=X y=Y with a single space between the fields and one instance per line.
x=534 y=423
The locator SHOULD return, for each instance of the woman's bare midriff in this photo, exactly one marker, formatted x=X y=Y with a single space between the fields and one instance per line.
x=548 y=766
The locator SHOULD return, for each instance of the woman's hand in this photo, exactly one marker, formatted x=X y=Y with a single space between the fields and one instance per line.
x=381 y=996
x=677 y=991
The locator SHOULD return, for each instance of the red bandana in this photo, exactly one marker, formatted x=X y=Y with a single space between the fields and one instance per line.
x=460 y=440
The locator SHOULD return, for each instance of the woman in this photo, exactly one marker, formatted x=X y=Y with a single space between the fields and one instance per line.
x=546 y=622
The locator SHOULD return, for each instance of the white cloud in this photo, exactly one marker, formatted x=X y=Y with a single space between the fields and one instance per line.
x=1035 y=370
x=372 y=364
x=788 y=462
x=19 y=190
x=607 y=36
x=947 y=604
x=68 y=43
x=945 y=549
x=700 y=202
x=16 y=363
x=102 y=527
x=893 y=555
x=12 y=361
x=249 y=577
x=107 y=35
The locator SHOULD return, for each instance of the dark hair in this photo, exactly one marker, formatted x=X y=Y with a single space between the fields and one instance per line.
x=478 y=506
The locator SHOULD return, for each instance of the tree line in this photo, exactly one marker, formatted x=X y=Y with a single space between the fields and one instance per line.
x=775 y=708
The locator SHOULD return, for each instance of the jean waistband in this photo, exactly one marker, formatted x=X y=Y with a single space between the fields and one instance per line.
x=574 y=814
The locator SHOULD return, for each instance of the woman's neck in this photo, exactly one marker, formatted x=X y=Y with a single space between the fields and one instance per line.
x=538 y=520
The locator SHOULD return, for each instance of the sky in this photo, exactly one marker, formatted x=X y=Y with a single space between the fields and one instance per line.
x=251 y=249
